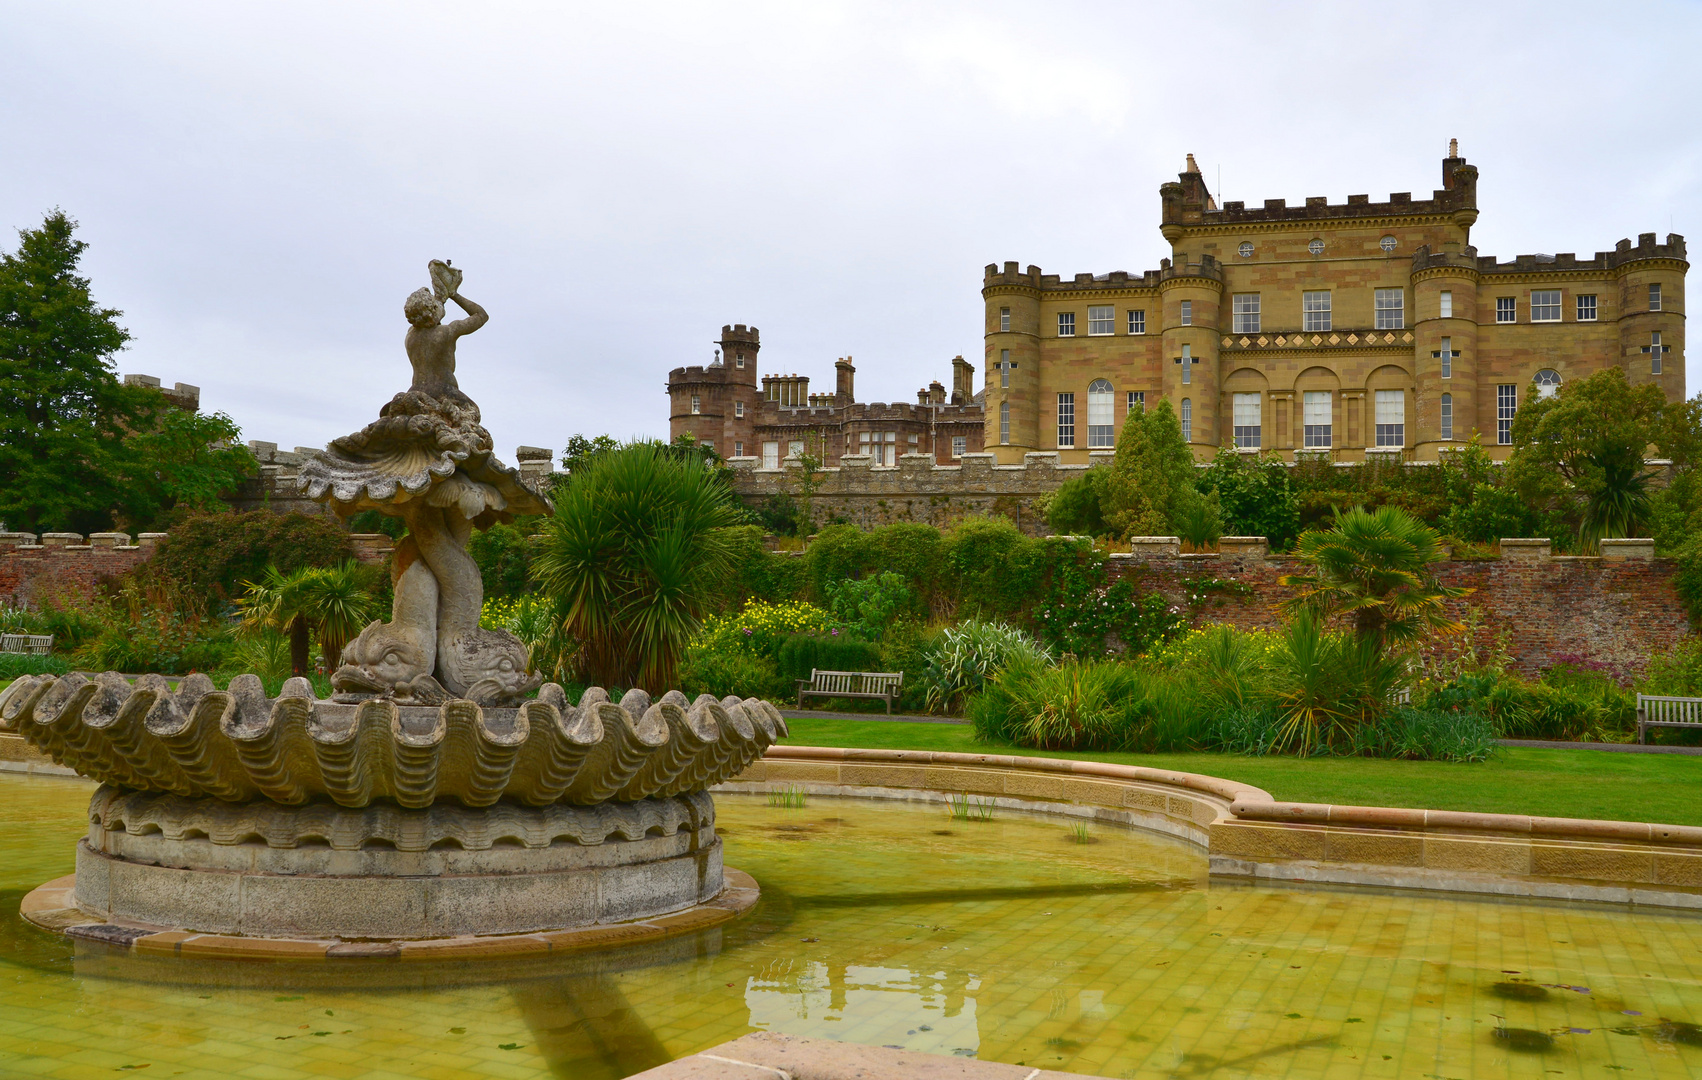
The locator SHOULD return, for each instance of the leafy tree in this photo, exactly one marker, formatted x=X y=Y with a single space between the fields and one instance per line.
x=183 y=463
x=1075 y=507
x=212 y=555
x=504 y=556
x=1582 y=450
x=1255 y=496
x=1374 y=568
x=637 y=553
x=64 y=415
x=1152 y=476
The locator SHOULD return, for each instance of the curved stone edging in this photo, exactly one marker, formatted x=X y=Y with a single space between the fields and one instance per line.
x=1246 y=833
x=50 y=907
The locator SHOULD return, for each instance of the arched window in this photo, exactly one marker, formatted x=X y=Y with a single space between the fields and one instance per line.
x=1448 y=417
x=1101 y=421
x=1548 y=382
x=1187 y=420
x=1004 y=422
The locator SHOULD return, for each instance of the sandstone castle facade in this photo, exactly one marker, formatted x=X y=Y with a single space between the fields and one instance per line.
x=726 y=406
x=1356 y=329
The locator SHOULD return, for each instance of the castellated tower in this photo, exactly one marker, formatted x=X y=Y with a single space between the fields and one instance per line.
x=717 y=405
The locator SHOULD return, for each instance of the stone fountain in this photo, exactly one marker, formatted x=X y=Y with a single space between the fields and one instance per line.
x=432 y=796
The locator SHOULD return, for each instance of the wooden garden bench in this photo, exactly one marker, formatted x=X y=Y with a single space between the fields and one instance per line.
x=884 y=685
x=1674 y=712
x=34 y=644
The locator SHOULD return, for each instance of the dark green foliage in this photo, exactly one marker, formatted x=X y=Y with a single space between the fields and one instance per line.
x=214 y=554
x=1402 y=733
x=1574 y=706
x=781 y=515
x=1254 y=495
x=371 y=521
x=580 y=450
x=14 y=665
x=504 y=555
x=1087 y=705
x=759 y=574
x=1084 y=613
x=731 y=671
x=829 y=651
x=869 y=606
x=1075 y=506
x=180 y=465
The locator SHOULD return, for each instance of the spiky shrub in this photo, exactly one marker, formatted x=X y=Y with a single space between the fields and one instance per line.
x=966 y=656
x=1329 y=685
x=633 y=560
x=332 y=603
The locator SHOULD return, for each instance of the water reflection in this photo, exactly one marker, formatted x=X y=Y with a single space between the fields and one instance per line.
x=884 y=1006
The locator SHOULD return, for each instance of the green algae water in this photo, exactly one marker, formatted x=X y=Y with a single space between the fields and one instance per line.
x=895 y=924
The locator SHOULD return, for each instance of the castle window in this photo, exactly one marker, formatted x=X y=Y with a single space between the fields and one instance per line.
x=881 y=446
x=1448 y=417
x=1137 y=322
x=1247 y=416
x=739 y=361
x=1315 y=310
x=1655 y=350
x=1506 y=309
x=1506 y=404
x=1316 y=420
x=1187 y=362
x=1066 y=324
x=1445 y=310
x=1187 y=313
x=1655 y=296
x=1586 y=309
x=1246 y=313
x=1387 y=243
x=959 y=446
x=1004 y=423
x=1446 y=354
x=1187 y=420
x=1137 y=400
x=1545 y=305
x=1548 y=383
x=794 y=448
x=1391 y=417
x=1101 y=320
x=738 y=449
x=738 y=409
x=1391 y=309
x=1004 y=320
x=1066 y=420
x=1246 y=249
x=1101 y=421
x=1004 y=369
x=1316 y=247
x=696 y=405
x=771 y=455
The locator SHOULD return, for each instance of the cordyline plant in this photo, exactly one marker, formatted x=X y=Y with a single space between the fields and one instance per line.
x=633 y=560
x=332 y=603
x=1373 y=568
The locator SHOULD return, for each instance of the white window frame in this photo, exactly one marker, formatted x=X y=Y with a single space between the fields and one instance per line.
x=1101 y=320
x=1447 y=358
x=1135 y=397
x=1654 y=296
x=1247 y=419
x=959 y=446
x=794 y=447
x=1187 y=364
x=1445 y=305
x=1547 y=383
x=1004 y=320
x=1066 y=324
x=1506 y=309
x=1315 y=312
x=696 y=405
x=1317 y=420
x=1187 y=420
x=738 y=449
x=1004 y=369
x=1245 y=313
x=1550 y=302
x=771 y=454
x=1586 y=307
x=1187 y=313
x=1447 y=418
x=1137 y=320
x=1387 y=404
x=739 y=361
x=1390 y=308
x=1655 y=350
x=1506 y=404
x=1101 y=415
x=738 y=410
x=1004 y=423
x=1067 y=419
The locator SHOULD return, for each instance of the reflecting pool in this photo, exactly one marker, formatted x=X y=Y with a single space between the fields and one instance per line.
x=1014 y=940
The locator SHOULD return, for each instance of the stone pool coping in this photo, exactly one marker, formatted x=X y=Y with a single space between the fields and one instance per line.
x=766 y=1055
x=51 y=908
x=1245 y=833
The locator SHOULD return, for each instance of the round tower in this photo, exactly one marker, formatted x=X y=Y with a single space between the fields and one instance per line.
x=1444 y=303
x=1190 y=297
x=1012 y=370
x=1651 y=311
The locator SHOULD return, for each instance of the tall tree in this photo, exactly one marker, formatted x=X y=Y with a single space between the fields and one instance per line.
x=64 y=416
x=1151 y=485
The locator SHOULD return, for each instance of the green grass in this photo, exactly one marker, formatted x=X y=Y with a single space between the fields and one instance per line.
x=1544 y=783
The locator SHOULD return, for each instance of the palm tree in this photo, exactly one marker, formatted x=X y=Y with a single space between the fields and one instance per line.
x=1374 y=566
x=634 y=557
x=333 y=602
x=1616 y=499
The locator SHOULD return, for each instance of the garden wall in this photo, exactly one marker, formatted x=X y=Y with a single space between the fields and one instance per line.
x=33 y=569
x=1616 y=608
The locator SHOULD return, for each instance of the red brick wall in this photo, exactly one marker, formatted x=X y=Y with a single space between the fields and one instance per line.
x=33 y=573
x=1614 y=612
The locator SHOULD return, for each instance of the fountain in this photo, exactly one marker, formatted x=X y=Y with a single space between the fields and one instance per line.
x=430 y=798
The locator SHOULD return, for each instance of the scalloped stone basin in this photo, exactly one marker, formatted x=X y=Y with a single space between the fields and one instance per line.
x=229 y=812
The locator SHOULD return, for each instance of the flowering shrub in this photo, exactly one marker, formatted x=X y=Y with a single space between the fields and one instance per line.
x=760 y=627
x=1189 y=648
x=1083 y=615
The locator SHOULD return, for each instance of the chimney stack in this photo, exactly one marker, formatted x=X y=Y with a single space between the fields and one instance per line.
x=844 y=390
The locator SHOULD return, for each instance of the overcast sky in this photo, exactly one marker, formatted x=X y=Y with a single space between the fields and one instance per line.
x=262 y=185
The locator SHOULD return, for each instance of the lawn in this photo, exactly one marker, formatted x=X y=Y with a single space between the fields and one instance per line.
x=1544 y=783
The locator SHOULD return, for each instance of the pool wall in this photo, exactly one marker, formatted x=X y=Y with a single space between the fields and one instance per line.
x=1247 y=834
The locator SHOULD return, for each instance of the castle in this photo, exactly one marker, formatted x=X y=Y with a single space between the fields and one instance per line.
x=724 y=405
x=1358 y=329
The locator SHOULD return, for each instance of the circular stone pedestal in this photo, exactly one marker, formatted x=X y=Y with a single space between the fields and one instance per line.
x=384 y=873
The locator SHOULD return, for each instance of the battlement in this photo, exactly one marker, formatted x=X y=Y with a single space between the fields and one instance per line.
x=1034 y=278
x=1623 y=254
x=1188 y=203
x=182 y=395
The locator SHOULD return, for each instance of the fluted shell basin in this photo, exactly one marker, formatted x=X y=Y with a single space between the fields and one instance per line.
x=238 y=745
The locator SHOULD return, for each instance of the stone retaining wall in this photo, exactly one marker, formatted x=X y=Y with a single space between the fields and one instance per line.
x=1245 y=833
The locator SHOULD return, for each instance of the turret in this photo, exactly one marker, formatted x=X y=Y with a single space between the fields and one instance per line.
x=1012 y=373
x=739 y=347
x=1191 y=296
